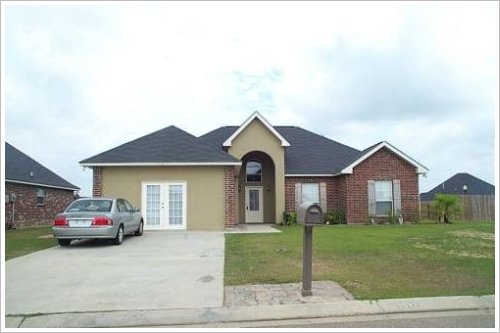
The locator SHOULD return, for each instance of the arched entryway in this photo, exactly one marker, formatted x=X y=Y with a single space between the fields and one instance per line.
x=256 y=189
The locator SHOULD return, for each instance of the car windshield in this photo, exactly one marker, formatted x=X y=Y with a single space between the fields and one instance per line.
x=90 y=206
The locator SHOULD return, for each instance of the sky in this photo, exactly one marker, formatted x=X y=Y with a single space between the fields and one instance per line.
x=81 y=78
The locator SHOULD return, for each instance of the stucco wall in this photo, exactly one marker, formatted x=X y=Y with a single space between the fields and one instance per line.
x=256 y=137
x=204 y=187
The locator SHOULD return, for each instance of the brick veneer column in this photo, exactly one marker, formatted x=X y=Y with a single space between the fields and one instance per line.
x=97 y=181
x=230 y=200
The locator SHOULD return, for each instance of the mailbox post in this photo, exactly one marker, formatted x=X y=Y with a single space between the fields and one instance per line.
x=309 y=214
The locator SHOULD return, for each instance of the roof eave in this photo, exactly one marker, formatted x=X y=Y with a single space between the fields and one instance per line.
x=309 y=175
x=42 y=185
x=96 y=164
x=421 y=169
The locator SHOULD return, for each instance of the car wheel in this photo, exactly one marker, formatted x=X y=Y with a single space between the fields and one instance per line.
x=119 y=236
x=64 y=242
x=140 y=229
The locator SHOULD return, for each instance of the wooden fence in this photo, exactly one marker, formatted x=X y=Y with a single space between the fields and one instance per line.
x=473 y=208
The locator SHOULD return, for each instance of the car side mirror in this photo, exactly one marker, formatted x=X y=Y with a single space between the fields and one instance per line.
x=136 y=210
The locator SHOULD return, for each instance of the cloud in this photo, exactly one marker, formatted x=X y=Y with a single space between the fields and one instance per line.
x=82 y=79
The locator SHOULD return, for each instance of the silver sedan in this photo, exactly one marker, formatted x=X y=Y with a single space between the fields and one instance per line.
x=111 y=218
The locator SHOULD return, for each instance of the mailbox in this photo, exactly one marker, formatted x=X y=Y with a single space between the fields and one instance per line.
x=309 y=213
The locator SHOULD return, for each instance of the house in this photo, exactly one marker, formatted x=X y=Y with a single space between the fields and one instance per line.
x=33 y=193
x=477 y=198
x=253 y=173
x=460 y=184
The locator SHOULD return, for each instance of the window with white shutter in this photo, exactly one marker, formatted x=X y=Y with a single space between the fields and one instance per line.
x=384 y=197
x=311 y=192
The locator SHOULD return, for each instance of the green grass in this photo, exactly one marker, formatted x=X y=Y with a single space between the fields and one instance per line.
x=373 y=261
x=19 y=242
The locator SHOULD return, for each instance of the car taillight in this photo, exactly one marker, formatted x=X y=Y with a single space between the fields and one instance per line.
x=102 y=221
x=60 y=222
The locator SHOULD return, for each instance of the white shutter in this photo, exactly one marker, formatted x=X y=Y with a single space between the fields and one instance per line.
x=298 y=195
x=322 y=197
x=396 y=189
x=372 y=204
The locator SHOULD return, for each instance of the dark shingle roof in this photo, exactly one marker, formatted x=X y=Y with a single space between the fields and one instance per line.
x=19 y=167
x=454 y=185
x=168 y=145
x=309 y=153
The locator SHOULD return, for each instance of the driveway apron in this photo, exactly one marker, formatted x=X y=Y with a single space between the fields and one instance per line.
x=160 y=270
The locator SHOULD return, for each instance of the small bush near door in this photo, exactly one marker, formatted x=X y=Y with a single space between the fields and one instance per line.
x=289 y=218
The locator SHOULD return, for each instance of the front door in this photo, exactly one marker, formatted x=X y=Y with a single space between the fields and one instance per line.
x=254 y=204
x=164 y=205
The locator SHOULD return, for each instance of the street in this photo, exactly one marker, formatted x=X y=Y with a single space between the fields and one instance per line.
x=442 y=319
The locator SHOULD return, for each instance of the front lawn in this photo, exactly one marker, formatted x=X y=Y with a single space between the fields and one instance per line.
x=19 y=242
x=373 y=261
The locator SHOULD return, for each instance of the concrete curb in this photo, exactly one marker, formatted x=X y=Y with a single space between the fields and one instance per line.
x=177 y=317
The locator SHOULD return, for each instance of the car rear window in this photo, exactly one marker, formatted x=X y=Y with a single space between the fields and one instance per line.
x=90 y=206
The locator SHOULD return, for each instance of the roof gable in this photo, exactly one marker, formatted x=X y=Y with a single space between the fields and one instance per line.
x=421 y=169
x=455 y=184
x=308 y=154
x=168 y=146
x=20 y=168
x=256 y=115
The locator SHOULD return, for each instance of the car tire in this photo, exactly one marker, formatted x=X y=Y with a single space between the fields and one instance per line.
x=140 y=229
x=64 y=242
x=119 y=236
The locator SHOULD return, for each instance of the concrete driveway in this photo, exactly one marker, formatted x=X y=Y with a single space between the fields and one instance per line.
x=160 y=270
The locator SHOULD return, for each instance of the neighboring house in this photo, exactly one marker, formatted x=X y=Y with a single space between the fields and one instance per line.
x=460 y=184
x=33 y=193
x=253 y=174
x=477 y=198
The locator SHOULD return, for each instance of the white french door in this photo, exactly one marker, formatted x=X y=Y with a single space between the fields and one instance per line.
x=164 y=205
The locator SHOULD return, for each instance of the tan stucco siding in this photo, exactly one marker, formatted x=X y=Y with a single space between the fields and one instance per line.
x=204 y=187
x=256 y=137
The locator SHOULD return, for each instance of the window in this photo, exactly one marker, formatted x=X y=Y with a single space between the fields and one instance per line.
x=384 y=197
x=254 y=171
x=90 y=205
x=130 y=208
x=40 y=196
x=121 y=206
x=310 y=192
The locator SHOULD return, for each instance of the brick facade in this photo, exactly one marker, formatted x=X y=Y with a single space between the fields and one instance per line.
x=96 y=181
x=230 y=198
x=349 y=193
x=383 y=165
x=26 y=212
x=290 y=190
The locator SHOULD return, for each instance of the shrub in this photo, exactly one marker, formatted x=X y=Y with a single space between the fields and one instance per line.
x=447 y=206
x=336 y=217
x=289 y=218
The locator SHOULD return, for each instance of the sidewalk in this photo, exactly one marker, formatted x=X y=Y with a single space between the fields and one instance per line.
x=257 y=303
